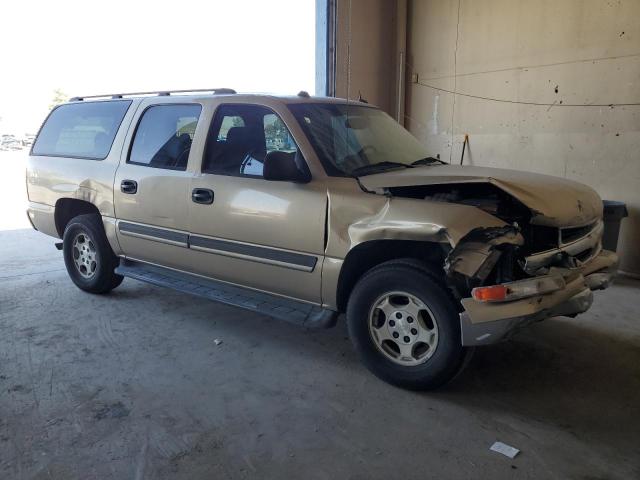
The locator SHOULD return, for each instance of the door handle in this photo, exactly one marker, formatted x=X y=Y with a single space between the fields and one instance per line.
x=129 y=186
x=202 y=195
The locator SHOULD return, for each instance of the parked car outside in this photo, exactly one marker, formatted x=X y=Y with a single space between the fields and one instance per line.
x=10 y=142
x=28 y=139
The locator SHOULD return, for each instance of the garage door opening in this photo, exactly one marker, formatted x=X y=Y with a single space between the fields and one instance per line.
x=85 y=48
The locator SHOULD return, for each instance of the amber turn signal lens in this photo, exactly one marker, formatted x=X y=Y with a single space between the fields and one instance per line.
x=494 y=293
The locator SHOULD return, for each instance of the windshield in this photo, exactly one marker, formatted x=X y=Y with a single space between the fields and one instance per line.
x=357 y=140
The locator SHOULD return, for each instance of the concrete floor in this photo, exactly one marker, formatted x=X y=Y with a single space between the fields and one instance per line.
x=131 y=385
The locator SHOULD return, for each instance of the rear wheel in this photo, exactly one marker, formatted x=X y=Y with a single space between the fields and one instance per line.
x=405 y=326
x=88 y=256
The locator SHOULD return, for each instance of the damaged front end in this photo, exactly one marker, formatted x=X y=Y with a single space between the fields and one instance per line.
x=509 y=276
x=475 y=257
x=504 y=287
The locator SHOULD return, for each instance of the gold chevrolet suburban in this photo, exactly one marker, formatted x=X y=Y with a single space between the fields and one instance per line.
x=303 y=208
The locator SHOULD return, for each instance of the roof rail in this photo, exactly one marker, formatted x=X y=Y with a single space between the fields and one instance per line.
x=161 y=93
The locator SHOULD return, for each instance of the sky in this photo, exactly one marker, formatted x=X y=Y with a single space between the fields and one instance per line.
x=90 y=47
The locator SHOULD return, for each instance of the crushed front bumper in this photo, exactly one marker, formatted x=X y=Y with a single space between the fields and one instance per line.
x=483 y=323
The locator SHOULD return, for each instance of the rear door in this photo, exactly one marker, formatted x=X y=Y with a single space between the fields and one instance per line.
x=152 y=183
x=267 y=235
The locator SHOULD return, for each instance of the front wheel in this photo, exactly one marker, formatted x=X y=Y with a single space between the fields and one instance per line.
x=88 y=256
x=405 y=326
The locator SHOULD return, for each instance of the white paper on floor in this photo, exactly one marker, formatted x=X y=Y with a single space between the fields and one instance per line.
x=505 y=449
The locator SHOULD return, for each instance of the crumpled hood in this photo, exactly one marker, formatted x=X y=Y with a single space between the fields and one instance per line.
x=554 y=201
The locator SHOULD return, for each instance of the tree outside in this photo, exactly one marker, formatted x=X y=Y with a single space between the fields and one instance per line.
x=58 y=97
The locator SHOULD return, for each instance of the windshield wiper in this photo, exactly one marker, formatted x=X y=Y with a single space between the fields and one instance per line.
x=377 y=167
x=427 y=161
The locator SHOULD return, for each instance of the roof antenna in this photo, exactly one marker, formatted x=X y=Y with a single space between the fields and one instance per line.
x=360 y=98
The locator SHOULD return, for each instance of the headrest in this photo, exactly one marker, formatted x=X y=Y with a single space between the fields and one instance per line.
x=237 y=134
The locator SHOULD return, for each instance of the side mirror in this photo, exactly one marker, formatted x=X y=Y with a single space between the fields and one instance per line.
x=285 y=167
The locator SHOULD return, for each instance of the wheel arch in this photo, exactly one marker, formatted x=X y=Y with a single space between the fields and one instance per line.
x=367 y=255
x=68 y=208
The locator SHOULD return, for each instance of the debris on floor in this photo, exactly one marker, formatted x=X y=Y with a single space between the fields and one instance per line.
x=505 y=449
x=115 y=410
x=217 y=341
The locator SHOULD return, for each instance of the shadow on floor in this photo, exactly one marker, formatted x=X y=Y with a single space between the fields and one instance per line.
x=559 y=372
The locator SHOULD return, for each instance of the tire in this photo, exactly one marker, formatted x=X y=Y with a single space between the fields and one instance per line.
x=384 y=303
x=88 y=256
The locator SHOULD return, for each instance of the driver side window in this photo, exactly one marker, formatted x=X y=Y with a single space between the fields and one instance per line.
x=240 y=138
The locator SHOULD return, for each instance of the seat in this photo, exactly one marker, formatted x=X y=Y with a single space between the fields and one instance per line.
x=174 y=153
x=228 y=156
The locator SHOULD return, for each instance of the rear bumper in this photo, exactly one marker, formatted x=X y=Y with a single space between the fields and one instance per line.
x=485 y=323
x=42 y=218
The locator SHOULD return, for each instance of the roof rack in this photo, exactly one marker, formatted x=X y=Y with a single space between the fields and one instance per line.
x=162 y=93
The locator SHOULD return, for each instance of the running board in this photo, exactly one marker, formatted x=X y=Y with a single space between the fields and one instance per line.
x=293 y=311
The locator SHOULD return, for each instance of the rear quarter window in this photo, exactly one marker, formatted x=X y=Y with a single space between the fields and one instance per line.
x=81 y=130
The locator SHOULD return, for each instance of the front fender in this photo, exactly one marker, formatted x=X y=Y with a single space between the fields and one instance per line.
x=360 y=217
x=355 y=218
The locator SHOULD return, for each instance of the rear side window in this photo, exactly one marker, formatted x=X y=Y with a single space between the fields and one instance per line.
x=164 y=135
x=81 y=130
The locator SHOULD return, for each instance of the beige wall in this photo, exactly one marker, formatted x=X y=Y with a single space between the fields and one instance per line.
x=520 y=50
x=366 y=61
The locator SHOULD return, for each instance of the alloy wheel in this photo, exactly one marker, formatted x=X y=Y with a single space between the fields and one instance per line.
x=403 y=328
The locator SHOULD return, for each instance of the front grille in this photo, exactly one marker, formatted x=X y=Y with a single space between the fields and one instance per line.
x=540 y=238
x=571 y=234
x=585 y=254
x=574 y=247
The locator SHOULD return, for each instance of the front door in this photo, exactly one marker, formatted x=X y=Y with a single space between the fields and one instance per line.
x=267 y=235
x=152 y=185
